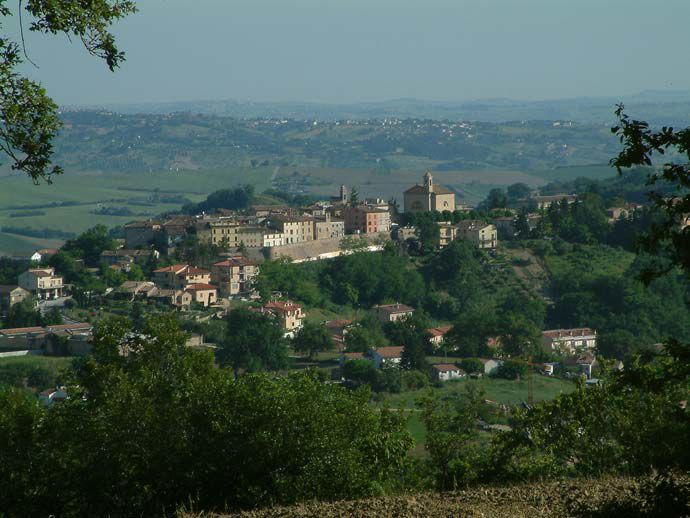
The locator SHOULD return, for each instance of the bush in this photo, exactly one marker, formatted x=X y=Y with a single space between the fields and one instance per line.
x=471 y=365
x=512 y=370
x=414 y=380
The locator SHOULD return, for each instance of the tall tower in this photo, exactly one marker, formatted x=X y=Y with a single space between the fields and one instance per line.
x=429 y=182
x=343 y=194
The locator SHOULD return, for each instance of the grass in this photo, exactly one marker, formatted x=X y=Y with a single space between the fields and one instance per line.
x=51 y=363
x=590 y=259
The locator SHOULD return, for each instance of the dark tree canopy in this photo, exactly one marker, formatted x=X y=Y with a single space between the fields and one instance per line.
x=28 y=116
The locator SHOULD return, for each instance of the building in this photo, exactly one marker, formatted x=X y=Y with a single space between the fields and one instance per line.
x=11 y=295
x=132 y=290
x=42 y=283
x=447 y=233
x=570 y=341
x=338 y=330
x=478 y=232
x=204 y=294
x=125 y=256
x=544 y=202
x=288 y=314
x=490 y=366
x=176 y=298
x=391 y=312
x=141 y=233
x=386 y=356
x=295 y=229
x=53 y=395
x=584 y=362
x=438 y=335
x=447 y=372
x=234 y=275
x=42 y=254
x=363 y=219
x=77 y=338
x=259 y=237
x=429 y=197
x=179 y=276
x=327 y=228
x=220 y=232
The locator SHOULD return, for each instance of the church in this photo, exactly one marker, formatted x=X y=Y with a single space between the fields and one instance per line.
x=429 y=197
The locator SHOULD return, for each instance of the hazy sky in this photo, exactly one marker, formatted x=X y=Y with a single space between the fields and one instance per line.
x=370 y=50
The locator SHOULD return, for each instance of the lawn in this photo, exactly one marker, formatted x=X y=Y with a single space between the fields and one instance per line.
x=50 y=363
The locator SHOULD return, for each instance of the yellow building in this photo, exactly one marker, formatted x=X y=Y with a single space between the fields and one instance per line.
x=429 y=197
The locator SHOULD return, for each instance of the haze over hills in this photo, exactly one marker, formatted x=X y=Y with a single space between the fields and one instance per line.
x=659 y=107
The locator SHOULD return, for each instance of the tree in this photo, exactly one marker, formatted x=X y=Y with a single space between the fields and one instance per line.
x=496 y=199
x=89 y=245
x=519 y=336
x=29 y=117
x=471 y=365
x=354 y=197
x=253 y=342
x=24 y=314
x=521 y=225
x=312 y=338
x=165 y=408
x=518 y=191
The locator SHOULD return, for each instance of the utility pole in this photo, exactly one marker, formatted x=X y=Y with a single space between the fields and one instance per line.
x=530 y=381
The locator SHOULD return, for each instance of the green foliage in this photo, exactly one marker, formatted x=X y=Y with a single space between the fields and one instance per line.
x=29 y=117
x=312 y=338
x=471 y=365
x=185 y=432
x=366 y=279
x=24 y=314
x=231 y=199
x=89 y=245
x=298 y=281
x=512 y=370
x=253 y=342
x=455 y=458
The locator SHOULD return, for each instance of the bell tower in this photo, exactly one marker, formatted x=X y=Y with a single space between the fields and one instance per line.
x=429 y=182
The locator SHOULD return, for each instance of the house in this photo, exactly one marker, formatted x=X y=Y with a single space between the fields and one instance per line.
x=447 y=372
x=295 y=229
x=338 y=329
x=259 y=237
x=131 y=290
x=386 y=356
x=363 y=219
x=178 y=276
x=391 y=312
x=51 y=396
x=490 y=366
x=220 y=232
x=204 y=294
x=549 y=368
x=429 y=197
x=289 y=314
x=327 y=228
x=42 y=283
x=570 y=341
x=11 y=295
x=347 y=357
x=125 y=256
x=176 y=298
x=404 y=233
x=438 y=335
x=234 y=275
x=478 y=232
x=447 y=233
x=585 y=362
x=77 y=338
x=42 y=254
x=544 y=202
x=141 y=233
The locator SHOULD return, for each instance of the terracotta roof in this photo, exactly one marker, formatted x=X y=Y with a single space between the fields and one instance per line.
x=568 y=333
x=171 y=269
x=342 y=322
x=354 y=356
x=438 y=331
x=446 y=367
x=394 y=308
x=41 y=273
x=390 y=352
x=47 y=251
x=234 y=261
x=7 y=288
x=200 y=287
x=280 y=305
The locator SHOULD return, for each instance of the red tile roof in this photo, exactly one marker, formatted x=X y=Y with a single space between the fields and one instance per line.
x=394 y=308
x=175 y=268
x=566 y=333
x=438 y=331
x=280 y=305
x=200 y=287
x=390 y=352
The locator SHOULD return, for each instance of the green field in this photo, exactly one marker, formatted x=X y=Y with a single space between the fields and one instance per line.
x=51 y=363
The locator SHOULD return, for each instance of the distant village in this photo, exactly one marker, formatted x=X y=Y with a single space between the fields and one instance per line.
x=245 y=239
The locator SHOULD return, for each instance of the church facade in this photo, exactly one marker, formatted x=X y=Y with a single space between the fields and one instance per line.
x=429 y=197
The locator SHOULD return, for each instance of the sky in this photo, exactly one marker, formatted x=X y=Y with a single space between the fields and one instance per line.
x=349 y=51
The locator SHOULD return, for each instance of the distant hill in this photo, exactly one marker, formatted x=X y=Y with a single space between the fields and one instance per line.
x=657 y=107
